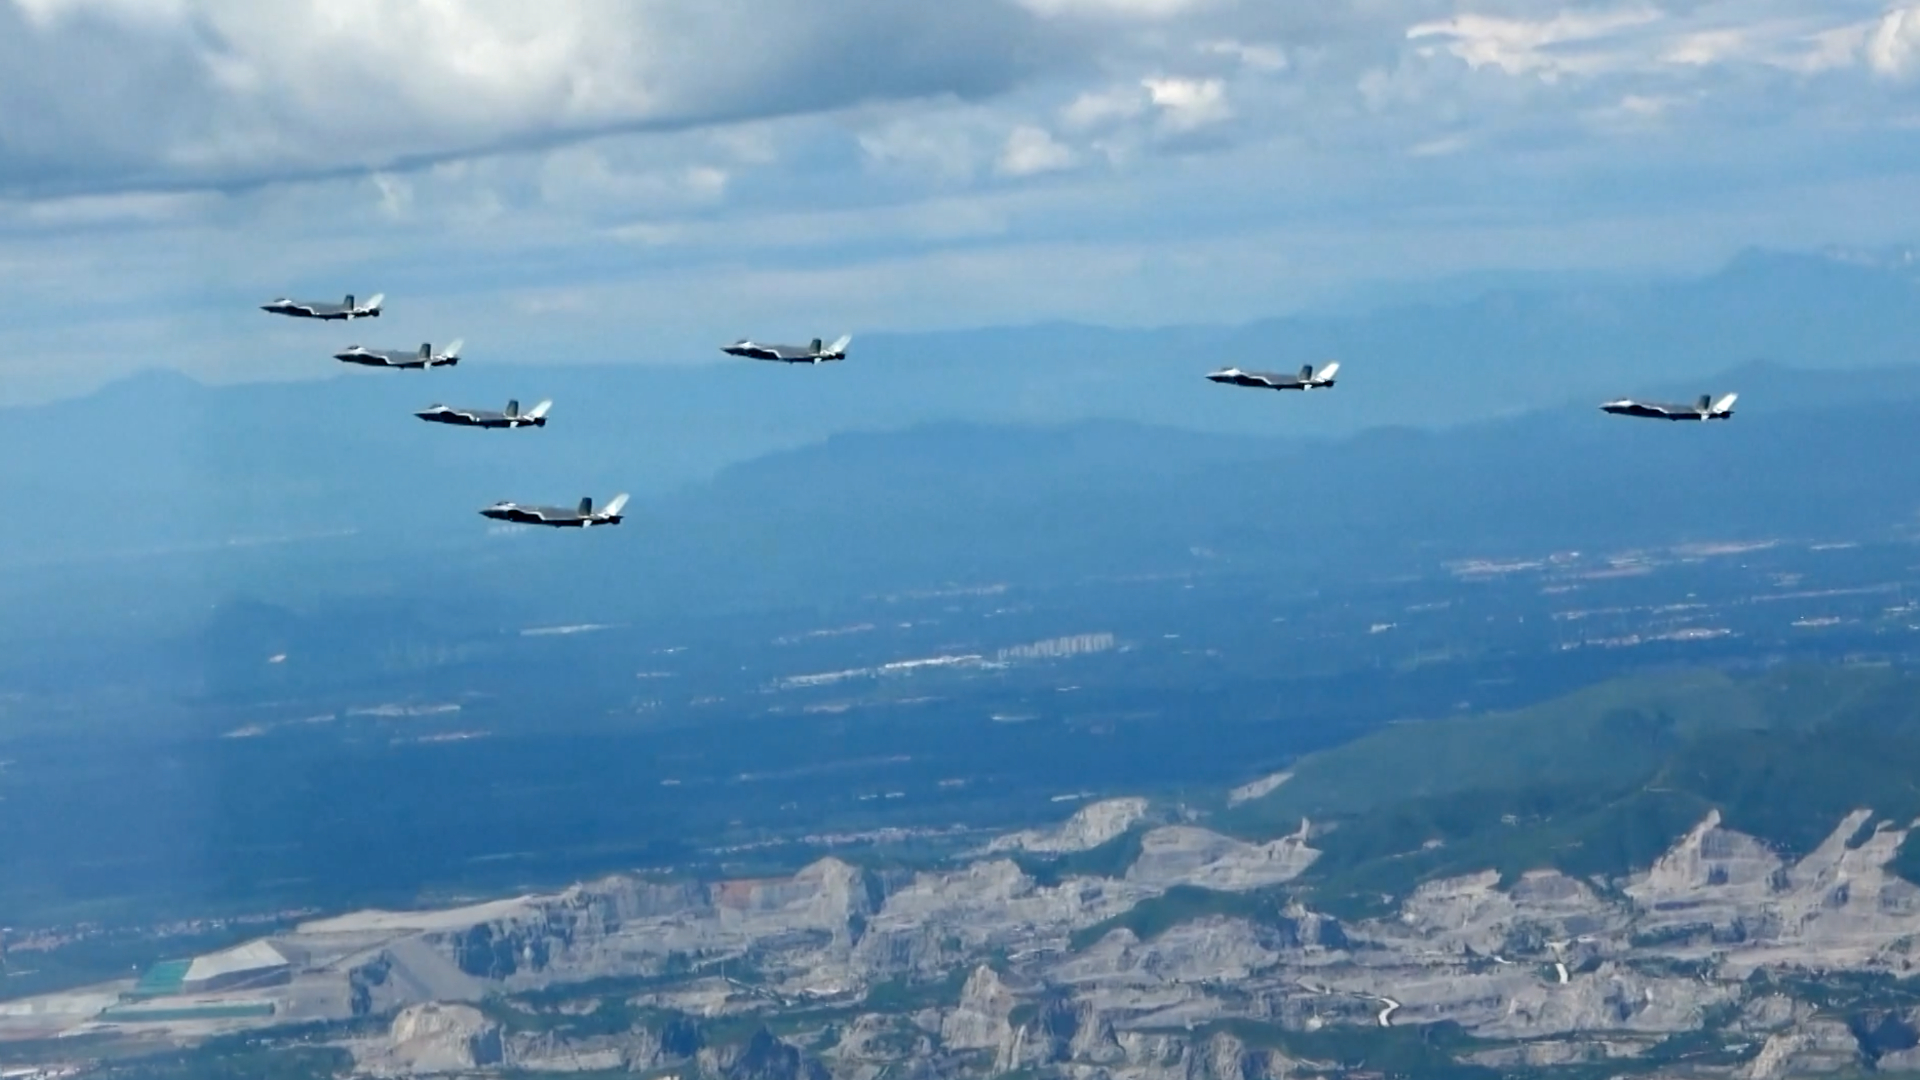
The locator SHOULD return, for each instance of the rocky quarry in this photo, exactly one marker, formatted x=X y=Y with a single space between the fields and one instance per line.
x=984 y=969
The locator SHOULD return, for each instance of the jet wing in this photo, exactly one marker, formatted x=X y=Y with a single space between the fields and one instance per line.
x=1650 y=409
x=550 y=515
x=1273 y=379
x=449 y=414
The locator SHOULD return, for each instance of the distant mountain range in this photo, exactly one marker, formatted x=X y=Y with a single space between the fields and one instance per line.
x=1810 y=454
x=655 y=427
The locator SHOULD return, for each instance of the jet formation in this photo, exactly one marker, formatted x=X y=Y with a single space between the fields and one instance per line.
x=816 y=351
x=424 y=357
x=1705 y=408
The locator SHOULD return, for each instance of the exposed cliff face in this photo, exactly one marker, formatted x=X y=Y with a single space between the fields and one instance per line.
x=763 y=1057
x=982 y=1019
x=1721 y=892
x=1184 y=855
x=1818 y=1046
x=437 y=1038
x=1094 y=824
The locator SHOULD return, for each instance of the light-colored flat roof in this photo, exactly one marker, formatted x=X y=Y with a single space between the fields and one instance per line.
x=253 y=956
x=408 y=921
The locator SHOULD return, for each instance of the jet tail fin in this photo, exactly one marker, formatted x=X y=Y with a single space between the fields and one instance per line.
x=373 y=302
x=513 y=408
x=586 y=507
x=614 y=507
x=1725 y=404
x=453 y=350
x=1327 y=373
x=840 y=344
x=539 y=412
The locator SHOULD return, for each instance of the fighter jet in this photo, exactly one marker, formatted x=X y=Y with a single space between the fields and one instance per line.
x=1703 y=409
x=811 y=353
x=400 y=358
x=511 y=417
x=308 y=309
x=1308 y=379
x=581 y=517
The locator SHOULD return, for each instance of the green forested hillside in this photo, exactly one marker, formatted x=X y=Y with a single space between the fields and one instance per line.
x=1603 y=780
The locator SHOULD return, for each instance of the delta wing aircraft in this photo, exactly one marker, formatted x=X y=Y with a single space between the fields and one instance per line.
x=312 y=309
x=400 y=358
x=1307 y=379
x=581 y=517
x=510 y=417
x=811 y=353
x=1703 y=409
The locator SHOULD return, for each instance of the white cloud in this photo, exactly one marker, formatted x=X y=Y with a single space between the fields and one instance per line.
x=1891 y=48
x=125 y=93
x=1031 y=150
x=1189 y=104
x=1097 y=108
x=396 y=195
x=1569 y=42
x=1443 y=146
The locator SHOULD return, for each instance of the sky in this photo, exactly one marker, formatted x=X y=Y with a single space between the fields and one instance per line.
x=643 y=180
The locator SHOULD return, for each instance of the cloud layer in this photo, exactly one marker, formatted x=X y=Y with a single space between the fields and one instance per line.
x=555 y=173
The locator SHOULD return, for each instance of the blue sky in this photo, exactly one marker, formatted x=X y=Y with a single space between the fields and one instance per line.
x=616 y=180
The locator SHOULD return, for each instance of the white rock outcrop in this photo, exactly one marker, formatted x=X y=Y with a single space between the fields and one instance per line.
x=435 y=1038
x=1092 y=825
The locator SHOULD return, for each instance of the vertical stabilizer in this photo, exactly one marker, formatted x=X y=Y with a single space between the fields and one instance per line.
x=539 y=412
x=349 y=302
x=426 y=350
x=1724 y=406
x=453 y=350
x=1705 y=404
x=373 y=302
x=1327 y=373
x=1306 y=373
x=586 y=507
x=618 y=504
x=513 y=408
x=814 y=347
x=840 y=345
